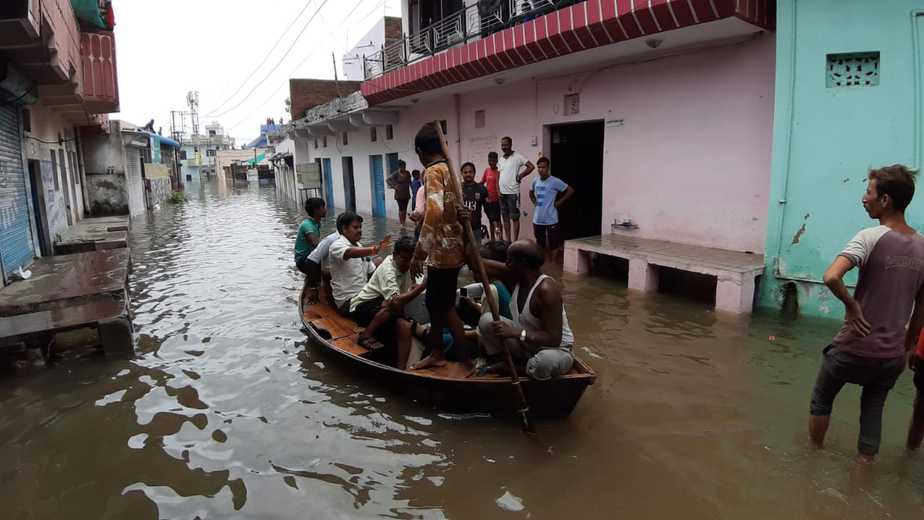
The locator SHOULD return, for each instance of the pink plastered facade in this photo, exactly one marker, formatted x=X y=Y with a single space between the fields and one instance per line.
x=687 y=139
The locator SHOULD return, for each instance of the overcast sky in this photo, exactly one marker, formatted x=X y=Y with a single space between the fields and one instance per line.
x=169 y=47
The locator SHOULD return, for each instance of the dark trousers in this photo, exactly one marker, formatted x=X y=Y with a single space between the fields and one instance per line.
x=876 y=376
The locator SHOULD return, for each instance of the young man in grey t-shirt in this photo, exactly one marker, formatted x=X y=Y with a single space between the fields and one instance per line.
x=872 y=346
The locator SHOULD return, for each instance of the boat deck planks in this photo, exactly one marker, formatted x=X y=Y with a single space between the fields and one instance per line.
x=450 y=385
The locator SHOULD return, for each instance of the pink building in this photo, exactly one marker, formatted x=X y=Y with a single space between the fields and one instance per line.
x=656 y=112
x=58 y=80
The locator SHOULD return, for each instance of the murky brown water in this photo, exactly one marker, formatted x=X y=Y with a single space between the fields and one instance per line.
x=225 y=414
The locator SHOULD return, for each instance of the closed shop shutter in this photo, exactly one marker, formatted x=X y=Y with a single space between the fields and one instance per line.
x=16 y=249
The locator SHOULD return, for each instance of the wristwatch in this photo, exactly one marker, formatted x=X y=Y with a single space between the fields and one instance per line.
x=523 y=335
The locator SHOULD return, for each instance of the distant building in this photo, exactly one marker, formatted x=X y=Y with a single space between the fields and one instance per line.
x=365 y=57
x=197 y=152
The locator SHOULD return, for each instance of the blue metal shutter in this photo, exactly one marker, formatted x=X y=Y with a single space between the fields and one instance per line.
x=16 y=247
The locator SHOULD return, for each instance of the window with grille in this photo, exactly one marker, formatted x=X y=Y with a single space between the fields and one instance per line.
x=346 y=140
x=856 y=69
x=389 y=132
x=373 y=134
x=324 y=141
x=479 y=119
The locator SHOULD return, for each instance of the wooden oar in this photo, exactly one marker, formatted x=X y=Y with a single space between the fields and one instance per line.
x=520 y=398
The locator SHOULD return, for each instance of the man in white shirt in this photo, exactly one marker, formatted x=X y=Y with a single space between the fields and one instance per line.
x=349 y=264
x=513 y=169
x=380 y=305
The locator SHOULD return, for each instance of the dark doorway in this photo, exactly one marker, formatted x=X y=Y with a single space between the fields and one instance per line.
x=577 y=159
x=349 y=186
x=38 y=206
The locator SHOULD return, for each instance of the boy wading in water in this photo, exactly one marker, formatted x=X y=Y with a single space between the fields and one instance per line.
x=441 y=246
x=872 y=347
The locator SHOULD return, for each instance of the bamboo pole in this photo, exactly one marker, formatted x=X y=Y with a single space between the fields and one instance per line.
x=521 y=405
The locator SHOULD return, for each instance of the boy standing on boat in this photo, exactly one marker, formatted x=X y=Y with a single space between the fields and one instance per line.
x=872 y=347
x=441 y=247
x=350 y=265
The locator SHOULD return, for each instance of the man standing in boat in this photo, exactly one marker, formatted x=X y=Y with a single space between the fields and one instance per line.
x=539 y=333
x=441 y=247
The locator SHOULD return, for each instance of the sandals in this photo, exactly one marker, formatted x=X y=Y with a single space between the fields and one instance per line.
x=370 y=343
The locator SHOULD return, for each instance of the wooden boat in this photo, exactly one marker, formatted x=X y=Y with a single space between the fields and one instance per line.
x=447 y=387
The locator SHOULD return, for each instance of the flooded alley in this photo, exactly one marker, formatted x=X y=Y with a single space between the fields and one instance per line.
x=226 y=413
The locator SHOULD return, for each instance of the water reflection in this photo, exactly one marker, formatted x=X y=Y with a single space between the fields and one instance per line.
x=225 y=413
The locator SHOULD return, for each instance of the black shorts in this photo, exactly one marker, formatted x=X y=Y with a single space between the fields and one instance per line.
x=364 y=312
x=303 y=264
x=402 y=204
x=492 y=210
x=510 y=206
x=548 y=237
x=441 y=289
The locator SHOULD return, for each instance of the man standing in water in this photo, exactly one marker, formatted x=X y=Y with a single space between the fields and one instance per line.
x=513 y=169
x=400 y=181
x=441 y=246
x=872 y=346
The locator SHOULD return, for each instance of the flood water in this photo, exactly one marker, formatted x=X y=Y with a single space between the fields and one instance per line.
x=225 y=413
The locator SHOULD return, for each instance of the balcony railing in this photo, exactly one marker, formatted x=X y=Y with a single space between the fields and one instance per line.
x=469 y=23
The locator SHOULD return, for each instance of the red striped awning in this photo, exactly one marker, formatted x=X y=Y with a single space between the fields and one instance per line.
x=586 y=25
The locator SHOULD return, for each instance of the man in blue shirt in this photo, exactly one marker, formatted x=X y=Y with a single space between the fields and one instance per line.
x=548 y=193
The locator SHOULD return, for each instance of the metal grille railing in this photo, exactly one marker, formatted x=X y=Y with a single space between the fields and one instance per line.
x=470 y=23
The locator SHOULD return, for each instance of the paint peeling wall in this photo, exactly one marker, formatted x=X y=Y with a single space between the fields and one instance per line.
x=104 y=163
x=157 y=190
x=827 y=137
x=61 y=179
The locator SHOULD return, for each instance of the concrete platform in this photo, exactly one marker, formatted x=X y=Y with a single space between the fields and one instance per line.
x=735 y=272
x=94 y=234
x=67 y=292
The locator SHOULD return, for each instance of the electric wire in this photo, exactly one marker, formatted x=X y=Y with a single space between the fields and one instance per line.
x=281 y=60
x=261 y=62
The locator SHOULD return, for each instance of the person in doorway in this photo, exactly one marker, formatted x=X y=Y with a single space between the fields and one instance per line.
x=538 y=333
x=309 y=234
x=400 y=181
x=379 y=306
x=548 y=193
x=473 y=197
x=872 y=346
x=490 y=179
x=350 y=265
x=415 y=187
x=441 y=247
x=916 y=362
x=513 y=169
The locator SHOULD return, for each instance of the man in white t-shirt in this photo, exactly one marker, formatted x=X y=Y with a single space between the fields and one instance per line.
x=513 y=169
x=350 y=266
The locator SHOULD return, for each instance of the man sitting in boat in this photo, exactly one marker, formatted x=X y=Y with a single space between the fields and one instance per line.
x=538 y=334
x=472 y=302
x=379 y=306
x=350 y=265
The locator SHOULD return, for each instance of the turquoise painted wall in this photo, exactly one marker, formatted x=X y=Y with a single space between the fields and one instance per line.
x=826 y=138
